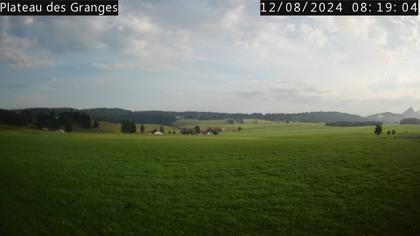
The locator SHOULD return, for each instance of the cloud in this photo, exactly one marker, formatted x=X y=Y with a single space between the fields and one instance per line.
x=313 y=36
x=217 y=47
x=21 y=52
x=14 y=52
x=281 y=90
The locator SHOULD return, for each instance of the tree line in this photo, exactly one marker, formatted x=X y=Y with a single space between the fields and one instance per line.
x=168 y=117
x=48 y=120
x=353 y=124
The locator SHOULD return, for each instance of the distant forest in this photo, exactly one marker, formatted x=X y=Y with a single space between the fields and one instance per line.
x=43 y=115
x=410 y=121
x=48 y=119
x=168 y=117
x=354 y=124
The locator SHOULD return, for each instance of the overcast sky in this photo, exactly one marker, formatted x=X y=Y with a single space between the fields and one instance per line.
x=214 y=55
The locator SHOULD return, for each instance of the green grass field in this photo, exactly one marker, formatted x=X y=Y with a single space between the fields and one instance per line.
x=268 y=179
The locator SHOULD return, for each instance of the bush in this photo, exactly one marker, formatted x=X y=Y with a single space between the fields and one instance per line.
x=378 y=130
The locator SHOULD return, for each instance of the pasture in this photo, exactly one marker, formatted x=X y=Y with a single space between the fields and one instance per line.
x=268 y=179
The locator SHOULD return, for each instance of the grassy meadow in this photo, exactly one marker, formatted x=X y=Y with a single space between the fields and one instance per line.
x=268 y=179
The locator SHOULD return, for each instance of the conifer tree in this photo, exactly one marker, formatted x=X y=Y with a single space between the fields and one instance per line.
x=378 y=130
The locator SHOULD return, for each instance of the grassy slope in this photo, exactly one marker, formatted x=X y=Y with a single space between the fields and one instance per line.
x=268 y=179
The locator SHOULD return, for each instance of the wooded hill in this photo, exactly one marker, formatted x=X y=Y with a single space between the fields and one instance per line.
x=168 y=117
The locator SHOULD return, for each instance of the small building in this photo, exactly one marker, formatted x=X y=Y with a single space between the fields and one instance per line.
x=212 y=131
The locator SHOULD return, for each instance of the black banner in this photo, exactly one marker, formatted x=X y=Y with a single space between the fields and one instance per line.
x=58 y=8
x=339 y=8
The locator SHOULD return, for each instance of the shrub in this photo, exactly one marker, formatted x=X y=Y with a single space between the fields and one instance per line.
x=378 y=130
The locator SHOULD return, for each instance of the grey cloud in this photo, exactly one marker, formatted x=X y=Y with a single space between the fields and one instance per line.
x=324 y=61
x=281 y=90
x=15 y=52
x=250 y=93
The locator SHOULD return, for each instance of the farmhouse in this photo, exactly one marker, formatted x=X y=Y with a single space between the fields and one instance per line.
x=212 y=131
x=155 y=132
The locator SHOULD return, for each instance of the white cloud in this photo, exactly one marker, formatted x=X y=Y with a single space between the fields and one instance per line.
x=19 y=53
x=330 y=60
x=312 y=36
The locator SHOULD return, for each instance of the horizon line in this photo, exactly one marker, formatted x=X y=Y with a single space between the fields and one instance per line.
x=131 y=110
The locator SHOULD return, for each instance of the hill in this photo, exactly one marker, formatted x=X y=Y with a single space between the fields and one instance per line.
x=410 y=113
x=389 y=117
x=169 y=117
x=410 y=121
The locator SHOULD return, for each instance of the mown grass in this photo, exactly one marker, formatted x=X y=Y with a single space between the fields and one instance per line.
x=271 y=179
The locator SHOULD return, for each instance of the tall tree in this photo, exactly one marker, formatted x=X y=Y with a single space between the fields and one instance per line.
x=85 y=121
x=142 y=128
x=133 y=127
x=197 y=130
x=378 y=130
x=123 y=126
x=53 y=121
x=68 y=127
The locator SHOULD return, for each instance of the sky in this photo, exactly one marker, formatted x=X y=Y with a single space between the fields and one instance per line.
x=210 y=55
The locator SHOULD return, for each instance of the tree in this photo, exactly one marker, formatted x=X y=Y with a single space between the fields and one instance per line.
x=186 y=131
x=85 y=121
x=52 y=121
x=68 y=127
x=128 y=126
x=95 y=124
x=142 y=129
x=132 y=127
x=41 y=121
x=388 y=133
x=240 y=128
x=378 y=130
x=393 y=132
x=123 y=126
x=197 y=130
x=161 y=129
